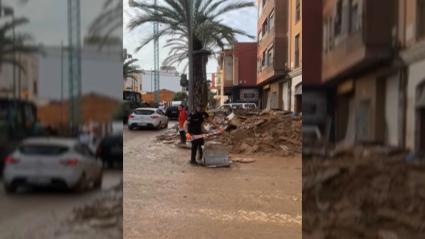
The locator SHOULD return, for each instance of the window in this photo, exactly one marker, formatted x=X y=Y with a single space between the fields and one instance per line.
x=265 y=27
x=420 y=18
x=263 y=60
x=325 y=36
x=330 y=33
x=270 y=56
x=271 y=20
x=144 y=112
x=298 y=11
x=297 y=50
x=48 y=150
x=338 y=18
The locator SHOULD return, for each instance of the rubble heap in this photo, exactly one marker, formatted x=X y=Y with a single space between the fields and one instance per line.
x=104 y=212
x=267 y=132
x=253 y=132
x=377 y=195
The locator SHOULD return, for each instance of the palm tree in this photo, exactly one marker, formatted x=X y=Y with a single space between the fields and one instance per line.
x=104 y=25
x=130 y=69
x=196 y=24
x=11 y=45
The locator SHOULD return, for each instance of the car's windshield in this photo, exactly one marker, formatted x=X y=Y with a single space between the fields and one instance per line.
x=144 y=112
x=49 y=150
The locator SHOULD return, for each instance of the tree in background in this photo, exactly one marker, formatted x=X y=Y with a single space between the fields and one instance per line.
x=180 y=96
x=11 y=45
x=198 y=24
x=130 y=70
x=103 y=27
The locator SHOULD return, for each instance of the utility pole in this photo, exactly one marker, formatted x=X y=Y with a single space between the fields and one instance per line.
x=156 y=59
x=74 y=63
x=62 y=78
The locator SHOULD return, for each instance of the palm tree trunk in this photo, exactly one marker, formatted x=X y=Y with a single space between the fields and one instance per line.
x=190 y=53
x=200 y=90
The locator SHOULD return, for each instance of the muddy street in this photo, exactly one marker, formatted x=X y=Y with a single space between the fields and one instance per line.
x=41 y=213
x=165 y=197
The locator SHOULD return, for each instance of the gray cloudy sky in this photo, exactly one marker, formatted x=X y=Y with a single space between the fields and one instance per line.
x=48 y=18
x=245 y=19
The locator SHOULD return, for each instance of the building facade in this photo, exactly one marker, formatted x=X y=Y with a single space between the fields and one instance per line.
x=236 y=81
x=279 y=54
x=26 y=81
x=359 y=65
x=412 y=26
x=169 y=79
x=372 y=71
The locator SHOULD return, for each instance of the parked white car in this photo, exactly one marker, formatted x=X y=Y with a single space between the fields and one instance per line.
x=52 y=161
x=147 y=117
x=234 y=106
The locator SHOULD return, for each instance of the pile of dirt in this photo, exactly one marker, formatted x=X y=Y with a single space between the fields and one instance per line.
x=104 y=212
x=372 y=194
x=267 y=132
x=249 y=132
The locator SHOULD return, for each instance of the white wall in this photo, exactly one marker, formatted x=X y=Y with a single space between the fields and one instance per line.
x=100 y=73
x=392 y=94
x=295 y=81
x=167 y=80
x=285 y=96
x=416 y=76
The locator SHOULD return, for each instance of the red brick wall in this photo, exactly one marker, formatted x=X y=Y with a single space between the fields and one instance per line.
x=246 y=53
x=312 y=42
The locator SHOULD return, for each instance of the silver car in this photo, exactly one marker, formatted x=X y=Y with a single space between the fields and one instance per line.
x=52 y=161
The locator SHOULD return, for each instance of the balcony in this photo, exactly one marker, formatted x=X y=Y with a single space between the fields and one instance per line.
x=357 y=49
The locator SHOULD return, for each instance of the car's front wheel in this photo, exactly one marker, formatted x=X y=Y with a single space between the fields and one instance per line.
x=10 y=188
x=98 y=182
x=81 y=184
x=131 y=127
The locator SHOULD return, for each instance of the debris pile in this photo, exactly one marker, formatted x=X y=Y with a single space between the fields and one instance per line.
x=253 y=132
x=267 y=132
x=369 y=194
x=106 y=212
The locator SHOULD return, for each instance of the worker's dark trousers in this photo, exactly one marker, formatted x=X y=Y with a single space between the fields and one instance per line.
x=182 y=136
x=196 y=145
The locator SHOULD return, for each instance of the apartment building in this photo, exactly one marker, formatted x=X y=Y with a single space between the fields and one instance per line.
x=25 y=82
x=294 y=86
x=314 y=97
x=279 y=54
x=235 y=79
x=361 y=67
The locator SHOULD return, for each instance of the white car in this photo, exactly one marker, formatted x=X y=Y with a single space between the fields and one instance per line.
x=147 y=117
x=52 y=161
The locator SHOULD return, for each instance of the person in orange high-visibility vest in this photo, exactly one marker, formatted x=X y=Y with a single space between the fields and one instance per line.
x=182 y=120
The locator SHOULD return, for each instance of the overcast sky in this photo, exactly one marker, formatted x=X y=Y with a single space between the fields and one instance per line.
x=245 y=19
x=48 y=18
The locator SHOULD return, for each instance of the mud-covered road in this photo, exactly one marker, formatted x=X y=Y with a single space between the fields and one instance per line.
x=165 y=197
x=42 y=213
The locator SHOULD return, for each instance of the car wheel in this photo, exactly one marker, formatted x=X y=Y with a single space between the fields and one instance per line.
x=81 y=185
x=10 y=188
x=110 y=164
x=98 y=182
